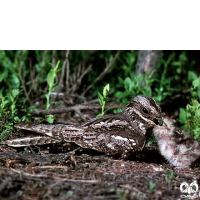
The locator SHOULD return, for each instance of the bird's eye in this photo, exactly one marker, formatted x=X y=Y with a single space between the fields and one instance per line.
x=145 y=111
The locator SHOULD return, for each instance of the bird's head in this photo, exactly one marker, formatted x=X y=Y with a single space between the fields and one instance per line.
x=146 y=110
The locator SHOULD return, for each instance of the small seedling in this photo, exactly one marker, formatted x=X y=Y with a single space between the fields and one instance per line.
x=50 y=80
x=151 y=186
x=103 y=99
x=169 y=176
x=49 y=118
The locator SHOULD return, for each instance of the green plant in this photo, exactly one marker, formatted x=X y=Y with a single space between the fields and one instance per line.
x=158 y=87
x=52 y=85
x=152 y=187
x=162 y=87
x=103 y=99
x=9 y=77
x=132 y=87
x=118 y=110
x=190 y=117
x=50 y=80
x=169 y=176
x=12 y=110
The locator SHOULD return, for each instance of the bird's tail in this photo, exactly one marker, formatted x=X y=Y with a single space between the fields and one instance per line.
x=48 y=134
x=28 y=141
x=61 y=131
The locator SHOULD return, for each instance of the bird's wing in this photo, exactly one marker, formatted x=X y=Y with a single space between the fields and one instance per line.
x=112 y=134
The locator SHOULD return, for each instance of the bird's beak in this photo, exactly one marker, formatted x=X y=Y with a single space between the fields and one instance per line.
x=151 y=123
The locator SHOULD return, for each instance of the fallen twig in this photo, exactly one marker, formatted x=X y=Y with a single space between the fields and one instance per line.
x=54 y=178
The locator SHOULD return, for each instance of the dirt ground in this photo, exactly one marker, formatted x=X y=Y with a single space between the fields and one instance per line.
x=50 y=172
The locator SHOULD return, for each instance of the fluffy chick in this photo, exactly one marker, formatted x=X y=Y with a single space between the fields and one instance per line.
x=176 y=145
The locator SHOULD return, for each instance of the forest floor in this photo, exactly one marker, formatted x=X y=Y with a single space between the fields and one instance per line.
x=53 y=174
x=63 y=171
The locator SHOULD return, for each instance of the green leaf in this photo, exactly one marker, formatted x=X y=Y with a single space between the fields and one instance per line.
x=151 y=186
x=50 y=77
x=100 y=97
x=158 y=98
x=10 y=97
x=148 y=92
x=118 y=110
x=139 y=78
x=121 y=94
x=198 y=94
x=99 y=115
x=106 y=90
x=15 y=92
x=50 y=118
x=13 y=108
x=52 y=74
x=16 y=119
x=182 y=116
x=24 y=119
x=195 y=83
x=15 y=80
x=192 y=76
x=3 y=104
x=195 y=104
x=197 y=113
x=121 y=80
x=3 y=75
x=127 y=82
x=56 y=67
x=131 y=86
x=196 y=133
x=170 y=175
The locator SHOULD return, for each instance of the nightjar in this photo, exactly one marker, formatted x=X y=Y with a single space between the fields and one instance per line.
x=112 y=134
x=176 y=145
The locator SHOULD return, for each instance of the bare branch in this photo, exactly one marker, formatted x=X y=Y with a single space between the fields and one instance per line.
x=22 y=79
x=78 y=81
x=108 y=66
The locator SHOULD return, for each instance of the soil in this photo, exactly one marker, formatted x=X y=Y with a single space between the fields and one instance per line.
x=52 y=172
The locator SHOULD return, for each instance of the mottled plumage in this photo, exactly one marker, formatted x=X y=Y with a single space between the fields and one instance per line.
x=176 y=145
x=113 y=134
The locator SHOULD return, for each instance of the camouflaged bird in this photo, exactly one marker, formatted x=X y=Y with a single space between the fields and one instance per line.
x=113 y=134
x=176 y=145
